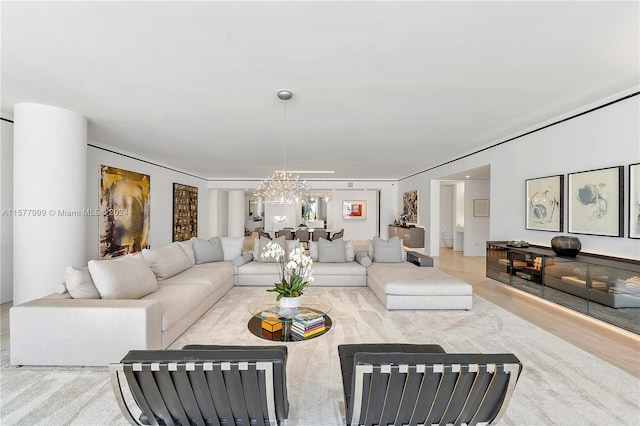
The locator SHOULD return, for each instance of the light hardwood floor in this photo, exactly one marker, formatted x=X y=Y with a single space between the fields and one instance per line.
x=609 y=343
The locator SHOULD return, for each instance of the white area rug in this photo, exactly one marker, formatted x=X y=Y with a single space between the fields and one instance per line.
x=560 y=384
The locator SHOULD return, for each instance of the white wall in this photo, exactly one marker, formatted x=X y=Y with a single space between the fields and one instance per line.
x=358 y=230
x=6 y=203
x=161 y=196
x=476 y=229
x=447 y=216
x=606 y=137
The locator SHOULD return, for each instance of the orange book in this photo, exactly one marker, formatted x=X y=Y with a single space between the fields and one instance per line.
x=271 y=324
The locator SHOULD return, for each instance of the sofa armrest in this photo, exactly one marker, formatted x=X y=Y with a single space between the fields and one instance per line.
x=89 y=332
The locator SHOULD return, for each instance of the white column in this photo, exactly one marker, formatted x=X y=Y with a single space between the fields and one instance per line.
x=237 y=215
x=50 y=173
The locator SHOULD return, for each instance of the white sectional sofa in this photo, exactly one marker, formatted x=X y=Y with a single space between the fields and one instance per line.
x=142 y=302
x=146 y=301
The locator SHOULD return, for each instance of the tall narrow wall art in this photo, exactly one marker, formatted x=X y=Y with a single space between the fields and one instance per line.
x=410 y=206
x=125 y=212
x=185 y=212
x=545 y=203
x=634 y=200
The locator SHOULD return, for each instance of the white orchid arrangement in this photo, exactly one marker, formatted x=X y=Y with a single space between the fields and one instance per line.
x=295 y=272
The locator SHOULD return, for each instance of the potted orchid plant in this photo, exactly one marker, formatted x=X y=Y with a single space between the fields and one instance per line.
x=294 y=273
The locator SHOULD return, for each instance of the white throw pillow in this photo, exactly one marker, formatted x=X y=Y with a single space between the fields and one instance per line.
x=331 y=251
x=207 y=250
x=231 y=247
x=127 y=277
x=79 y=283
x=167 y=261
x=387 y=251
x=187 y=247
x=350 y=251
x=313 y=250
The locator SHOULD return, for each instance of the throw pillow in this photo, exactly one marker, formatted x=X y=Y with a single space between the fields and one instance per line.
x=207 y=250
x=242 y=259
x=187 y=247
x=290 y=245
x=79 y=283
x=387 y=251
x=263 y=244
x=331 y=251
x=349 y=250
x=363 y=258
x=313 y=250
x=128 y=277
x=167 y=261
x=231 y=247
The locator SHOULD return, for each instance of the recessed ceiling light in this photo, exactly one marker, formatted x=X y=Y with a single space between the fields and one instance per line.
x=467 y=177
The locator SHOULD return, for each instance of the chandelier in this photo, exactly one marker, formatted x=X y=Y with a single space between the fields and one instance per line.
x=284 y=187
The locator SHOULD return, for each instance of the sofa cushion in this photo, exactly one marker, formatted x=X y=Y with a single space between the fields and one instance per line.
x=407 y=279
x=213 y=274
x=350 y=251
x=331 y=251
x=178 y=301
x=79 y=284
x=387 y=251
x=187 y=247
x=167 y=261
x=231 y=247
x=207 y=250
x=127 y=277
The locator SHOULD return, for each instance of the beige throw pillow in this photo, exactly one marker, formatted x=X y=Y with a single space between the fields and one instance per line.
x=231 y=247
x=127 y=277
x=387 y=251
x=207 y=250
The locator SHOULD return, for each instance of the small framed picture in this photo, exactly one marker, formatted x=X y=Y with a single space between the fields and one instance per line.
x=481 y=207
x=354 y=210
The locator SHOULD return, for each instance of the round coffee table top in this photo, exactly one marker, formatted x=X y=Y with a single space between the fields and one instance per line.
x=272 y=322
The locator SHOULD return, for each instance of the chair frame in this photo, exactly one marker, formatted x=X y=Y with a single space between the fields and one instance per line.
x=187 y=381
x=470 y=382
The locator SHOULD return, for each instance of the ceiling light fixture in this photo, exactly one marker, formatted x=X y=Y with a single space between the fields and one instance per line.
x=284 y=187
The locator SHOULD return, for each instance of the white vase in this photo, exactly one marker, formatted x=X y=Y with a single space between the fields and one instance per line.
x=290 y=302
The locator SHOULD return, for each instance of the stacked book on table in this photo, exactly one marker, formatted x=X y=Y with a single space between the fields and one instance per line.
x=307 y=325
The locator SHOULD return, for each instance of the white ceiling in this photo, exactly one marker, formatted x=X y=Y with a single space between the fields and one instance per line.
x=382 y=90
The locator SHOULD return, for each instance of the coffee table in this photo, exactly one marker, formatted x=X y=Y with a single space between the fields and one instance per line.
x=269 y=321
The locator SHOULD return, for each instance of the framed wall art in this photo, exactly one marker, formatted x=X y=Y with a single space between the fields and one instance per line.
x=410 y=206
x=185 y=212
x=634 y=200
x=595 y=201
x=481 y=207
x=354 y=210
x=545 y=203
x=124 y=202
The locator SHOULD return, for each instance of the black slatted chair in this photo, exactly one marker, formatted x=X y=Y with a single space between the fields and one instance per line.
x=204 y=385
x=391 y=384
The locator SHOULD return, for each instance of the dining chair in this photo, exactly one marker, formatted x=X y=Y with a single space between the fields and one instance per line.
x=337 y=235
x=303 y=236
x=320 y=233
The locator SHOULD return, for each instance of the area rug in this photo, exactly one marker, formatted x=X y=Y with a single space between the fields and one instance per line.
x=560 y=384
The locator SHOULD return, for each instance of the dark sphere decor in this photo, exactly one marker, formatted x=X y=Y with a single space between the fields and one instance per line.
x=566 y=246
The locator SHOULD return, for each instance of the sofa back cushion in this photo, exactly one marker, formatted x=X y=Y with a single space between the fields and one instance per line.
x=331 y=251
x=207 y=250
x=167 y=261
x=231 y=247
x=79 y=283
x=127 y=277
